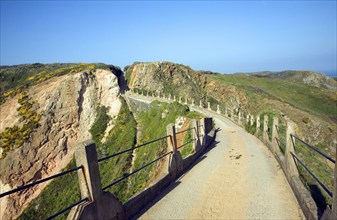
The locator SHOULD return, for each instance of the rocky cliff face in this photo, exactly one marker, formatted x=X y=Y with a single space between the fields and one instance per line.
x=182 y=81
x=67 y=106
x=169 y=78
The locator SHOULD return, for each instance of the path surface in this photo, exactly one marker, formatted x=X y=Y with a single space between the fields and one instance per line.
x=237 y=179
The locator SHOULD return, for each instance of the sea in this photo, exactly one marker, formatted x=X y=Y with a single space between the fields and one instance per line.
x=330 y=73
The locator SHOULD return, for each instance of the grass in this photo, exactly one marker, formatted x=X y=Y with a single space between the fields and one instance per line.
x=153 y=126
x=321 y=168
x=187 y=149
x=59 y=194
x=16 y=79
x=120 y=138
x=304 y=97
x=64 y=191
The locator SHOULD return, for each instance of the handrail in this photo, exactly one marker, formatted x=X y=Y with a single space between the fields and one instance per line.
x=139 y=169
x=188 y=142
x=185 y=130
x=313 y=175
x=278 y=129
x=39 y=181
x=131 y=149
x=314 y=148
x=68 y=208
x=279 y=141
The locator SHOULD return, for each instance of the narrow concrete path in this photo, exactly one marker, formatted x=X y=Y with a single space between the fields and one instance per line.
x=237 y=179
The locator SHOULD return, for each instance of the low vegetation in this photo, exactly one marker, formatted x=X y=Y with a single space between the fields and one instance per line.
x=59 y=194
x=310 y=99
x=16 y=79
x=64 y=191
x=153 y=125
x=14 y=137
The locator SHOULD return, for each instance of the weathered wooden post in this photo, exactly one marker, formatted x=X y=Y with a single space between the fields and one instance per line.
x=101 y=205
x=247 y=118
x=195 y=135
x=200 y=104
x=209 y=106
x=192 y=102
x=218 y=109
x=239 y=118
x=291 y=169
x=265 y=129
x=251 y=120
x=275 y=135
x=257 y=125
x=186 y=100
x=232 y=114
x=176 y=161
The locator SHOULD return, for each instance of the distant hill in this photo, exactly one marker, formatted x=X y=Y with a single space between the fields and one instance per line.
x=318 y=80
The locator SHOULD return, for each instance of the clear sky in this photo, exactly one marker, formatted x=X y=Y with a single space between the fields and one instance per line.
x=222 y=36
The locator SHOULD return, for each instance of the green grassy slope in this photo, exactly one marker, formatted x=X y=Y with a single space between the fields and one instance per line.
x=309 y=99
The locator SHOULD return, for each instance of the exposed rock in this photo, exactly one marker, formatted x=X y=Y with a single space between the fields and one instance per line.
x=68 y=107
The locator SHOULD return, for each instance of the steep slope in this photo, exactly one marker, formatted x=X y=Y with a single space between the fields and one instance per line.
x=66 y=106
x=313 y=110
x=306 y=77
x=181 y=81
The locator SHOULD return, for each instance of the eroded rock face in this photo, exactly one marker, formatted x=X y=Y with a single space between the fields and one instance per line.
x=68 y=108
x=166 y=77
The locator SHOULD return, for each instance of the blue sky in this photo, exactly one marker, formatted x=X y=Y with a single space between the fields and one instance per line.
x=222 y=36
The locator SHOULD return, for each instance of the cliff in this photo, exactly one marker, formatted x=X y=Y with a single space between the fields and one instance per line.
x=65 y=107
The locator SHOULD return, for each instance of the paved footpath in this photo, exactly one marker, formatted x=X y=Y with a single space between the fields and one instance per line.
x=237 y=179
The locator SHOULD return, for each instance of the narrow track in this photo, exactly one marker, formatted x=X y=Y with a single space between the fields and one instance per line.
x=237 y=179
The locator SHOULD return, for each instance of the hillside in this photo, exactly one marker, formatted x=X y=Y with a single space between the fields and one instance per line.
x=312 y=109
x=47 y=109
x=314 y=79
x=45 y=112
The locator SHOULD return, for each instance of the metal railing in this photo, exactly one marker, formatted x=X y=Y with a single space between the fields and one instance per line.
x=44 y=180
x=139 y=169
x=305 y=166
x=313 y=148
x=131 y=149
x=280 y=144
x=311 y=173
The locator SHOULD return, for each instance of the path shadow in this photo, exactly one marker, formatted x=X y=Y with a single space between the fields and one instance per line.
x=177 y=182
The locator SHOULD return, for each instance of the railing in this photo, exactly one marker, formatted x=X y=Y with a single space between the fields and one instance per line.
x=189 y=141
x=305 y=166
x=44 y=180
x=280 y=144
x=139 y=169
